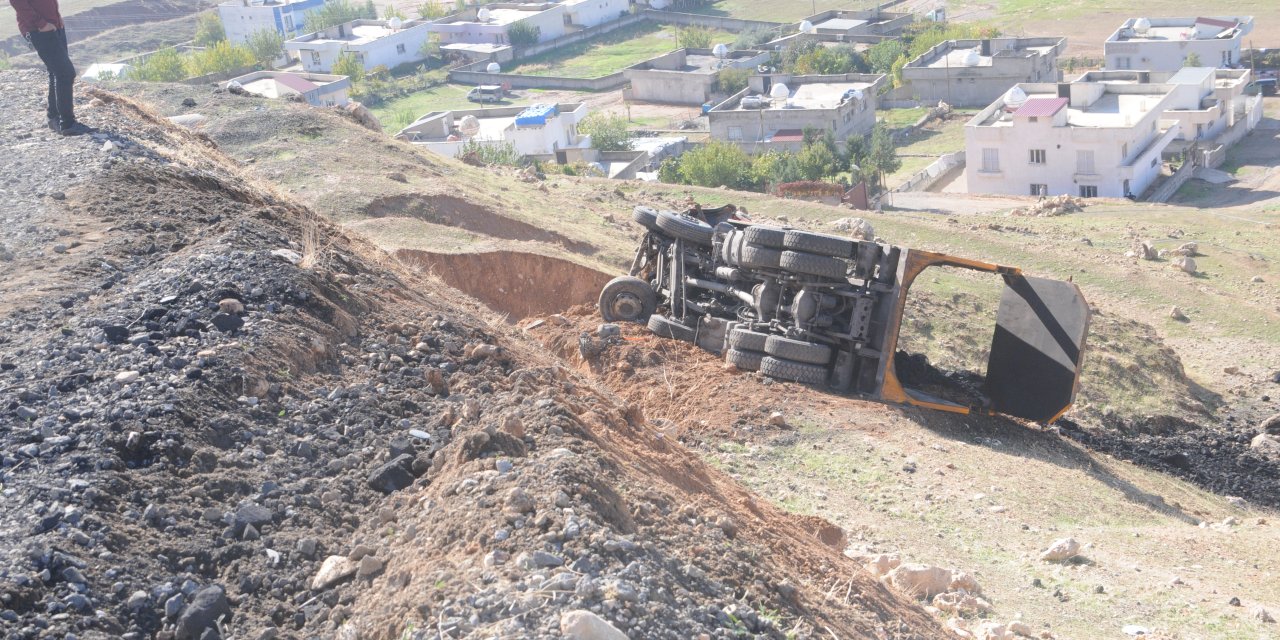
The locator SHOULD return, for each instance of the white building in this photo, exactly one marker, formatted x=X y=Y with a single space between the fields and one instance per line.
x=388 y=43
x=316 y=89
x=540 y=131
x=590 y=13
x=490 y=23
x=1088 y=139
x=972 y=73
x=1206 y=102
x=773 y=111
x=242 y=18
x=1167 y=44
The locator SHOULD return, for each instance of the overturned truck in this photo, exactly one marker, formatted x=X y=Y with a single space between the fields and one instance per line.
x=825 y=310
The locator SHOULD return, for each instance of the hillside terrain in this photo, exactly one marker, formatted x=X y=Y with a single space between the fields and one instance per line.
x=684 y=492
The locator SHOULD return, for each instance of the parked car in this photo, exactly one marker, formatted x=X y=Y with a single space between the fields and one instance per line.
x=1265 y=86
x=486 y=93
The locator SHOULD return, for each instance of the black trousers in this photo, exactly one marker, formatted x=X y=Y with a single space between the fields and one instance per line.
x=51 y=46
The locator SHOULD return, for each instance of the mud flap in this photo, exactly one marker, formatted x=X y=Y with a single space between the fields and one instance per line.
x=1037 y=349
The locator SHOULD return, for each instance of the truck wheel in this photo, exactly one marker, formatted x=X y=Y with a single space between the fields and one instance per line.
x=627 y=299
x=668 y=328
x=797 y=350
x=747 y=340
x=793 y=371
x=819 y=244
x=685 y=228
x=745 y=360
x=814 y=265
x=754 y=257
x=646 y=217
x=764 y=236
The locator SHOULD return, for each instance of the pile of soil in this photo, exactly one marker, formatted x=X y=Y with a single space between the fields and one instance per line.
x=223 y=417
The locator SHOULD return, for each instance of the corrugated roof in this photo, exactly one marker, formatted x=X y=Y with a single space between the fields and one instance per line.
x=297 y=83
x=1036 y=107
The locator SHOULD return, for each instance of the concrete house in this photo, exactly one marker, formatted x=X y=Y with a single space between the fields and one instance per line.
x=317 y=89
x=489 y=24
x=1206 y=102
x=686 y=76
x=973 y=73
x=591 y=13
x=374 y=43
x=1165 y=44
x=774 y=111
x=1088 y=139
x=242 y=18
x=541 y=131
x=844 y=24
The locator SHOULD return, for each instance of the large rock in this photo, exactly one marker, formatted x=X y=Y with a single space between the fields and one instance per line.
x=1266 y=444
x=393 y=476
x=1271 y=425
x=920 y=580
x=584 y=625
x=206 y=608
x=882 y=564
x=334 y=570
x=1186 y=263
x=1061 y=550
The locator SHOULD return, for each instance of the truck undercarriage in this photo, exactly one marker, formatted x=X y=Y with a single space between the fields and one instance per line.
x=825 y=310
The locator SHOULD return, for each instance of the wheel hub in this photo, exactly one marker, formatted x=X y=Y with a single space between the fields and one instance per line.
x=627 y=306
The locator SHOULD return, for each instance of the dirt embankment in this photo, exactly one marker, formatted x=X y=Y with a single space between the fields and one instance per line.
x=226 y=418
x=457 y=212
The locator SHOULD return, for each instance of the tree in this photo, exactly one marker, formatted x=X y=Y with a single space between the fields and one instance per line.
x=733 y=80
x=715 y=164
x=693 y=38
x=608 y=132
x=165 y=65
x=1192 y=60
x=348 y=65
x=431 y=10
x=882 y=157
x=431 y=46
x=752 y=38
x=523 y=34
x=817 y=161
x=829 y=60
x=209 y=30
x=882 y=56
x=222 y=57
x=266 y=45
x=773 y=168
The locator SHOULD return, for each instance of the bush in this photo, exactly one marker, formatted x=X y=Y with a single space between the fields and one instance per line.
x=882 y=56
x=223 y=57
x=523 y=34
x=808 y=189
x=165 y=65
x=491 y=153
x=693 y=38
x=266 y=45
x=716 y=164
x=209 y=30
x=752 y=38
x=829 y=60
x=348 y=65
x=608 y=132
x=733 y=80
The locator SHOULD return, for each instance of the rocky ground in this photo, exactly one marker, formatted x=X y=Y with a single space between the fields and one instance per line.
x=220 y=417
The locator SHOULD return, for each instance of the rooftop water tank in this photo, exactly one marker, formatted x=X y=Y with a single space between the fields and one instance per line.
x=806 y=26
x=970 y=58
x=1015 y=97
x=493 y=67
x=720 y=51
x=394 y=23
x=780 y=91
x=469 y=125
x=483 y=14
x=1142 y=25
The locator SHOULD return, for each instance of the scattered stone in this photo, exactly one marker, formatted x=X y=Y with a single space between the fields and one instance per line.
x=777 y=419
x=1234 y=601
x=127 y=377
x=392 y=476
x=231 y=306
x=1260 y=613
x=288 y=255
x=227 y=323
x=585 y=625
x=1266 y=443
x=335 y=569
x=1178 y=315
x=1185 y=263
x=519 y=501
x=1255 y=279
x=608 y=330
x=882 y=564
x=919 y=580
x=513 y=425
x=1061 y=550
x=209 y=606
x=369 y=567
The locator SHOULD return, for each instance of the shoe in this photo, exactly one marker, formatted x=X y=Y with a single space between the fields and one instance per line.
x=76 y=129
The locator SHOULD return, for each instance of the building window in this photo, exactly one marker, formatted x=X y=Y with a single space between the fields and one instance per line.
x=400 y=48
x=1088 y=191
x=1124 y=151
x=991 y=160
x=1125 y=186
x=1039 y=189
x=735 y=134
x=1123 y=62
x=315 y=57
x=1084 y=162
x=288 y=23
x=1037 y=156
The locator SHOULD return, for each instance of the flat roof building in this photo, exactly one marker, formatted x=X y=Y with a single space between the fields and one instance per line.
x=1168 y=44
x=317 y=89
x=773 y=111
x=242 y=18
x=546 y=130
x=686 y=76
x=490 y=23
x=973 y=73
x=374 y=43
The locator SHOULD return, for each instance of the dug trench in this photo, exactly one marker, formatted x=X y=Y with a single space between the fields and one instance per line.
x=451 y=211
x=236 y=421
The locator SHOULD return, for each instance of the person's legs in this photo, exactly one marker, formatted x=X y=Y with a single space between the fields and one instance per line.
x=51 y=46
x=45 y=42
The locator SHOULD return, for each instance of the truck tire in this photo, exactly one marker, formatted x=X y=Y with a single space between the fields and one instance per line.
x=819 y=244
x=814 y=265
x=756 y=257
x=685 y=228
x=646 y=217
x=747 y=340
x=627 y=299
x=668 y=328
x=797 y=350
x=793 y=371
x=763 y=236
x=745 y=360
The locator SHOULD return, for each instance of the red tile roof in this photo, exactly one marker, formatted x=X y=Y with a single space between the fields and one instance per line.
x=1041 y=107
x=1225 y=24
x=297 y=83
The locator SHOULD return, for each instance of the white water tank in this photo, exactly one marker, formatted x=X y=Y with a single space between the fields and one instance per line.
x=493 y=67
x=1142 y=25
x=806 y=26
x=394 y=23
x=720 y=51
x=483 y=14
x=469 y=125
x=970 y=58
x=780 y=91
x=1015 y=97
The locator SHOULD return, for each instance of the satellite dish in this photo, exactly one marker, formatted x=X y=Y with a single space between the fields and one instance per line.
x=469 y=126
x=483 y=14
x=780 y=91
x=1015 y=97
x=493 y=67
x=394 y=23
x=720 y=51
x=1142 y=25
x=806 y=26
x=970 y=58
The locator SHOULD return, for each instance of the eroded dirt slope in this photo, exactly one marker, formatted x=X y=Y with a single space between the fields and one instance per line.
x=221 y=417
